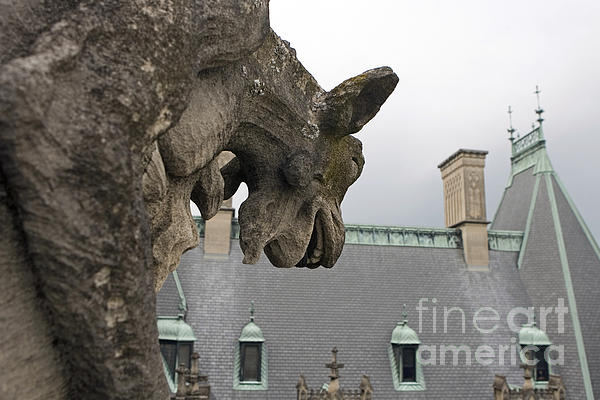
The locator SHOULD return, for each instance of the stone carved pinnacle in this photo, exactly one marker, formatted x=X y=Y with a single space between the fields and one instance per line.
x=334 y=365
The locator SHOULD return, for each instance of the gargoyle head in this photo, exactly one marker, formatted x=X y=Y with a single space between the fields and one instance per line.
x=298 y=172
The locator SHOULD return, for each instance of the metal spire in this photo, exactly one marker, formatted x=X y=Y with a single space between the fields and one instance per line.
x=539 y=110
x=252 y=310
x=404 y=313
x=510 y=130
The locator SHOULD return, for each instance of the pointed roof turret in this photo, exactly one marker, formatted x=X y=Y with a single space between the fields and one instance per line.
x=559 y=259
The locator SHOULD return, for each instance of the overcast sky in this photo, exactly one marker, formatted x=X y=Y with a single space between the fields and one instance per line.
x=460 y=64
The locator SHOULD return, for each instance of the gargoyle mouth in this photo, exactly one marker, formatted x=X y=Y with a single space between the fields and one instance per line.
x=318 y=250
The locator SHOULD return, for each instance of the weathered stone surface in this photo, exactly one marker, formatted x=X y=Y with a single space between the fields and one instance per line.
x=292 y=149
x=111 y=114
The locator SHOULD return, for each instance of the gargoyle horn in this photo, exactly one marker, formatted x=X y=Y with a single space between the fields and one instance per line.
x=351 y=104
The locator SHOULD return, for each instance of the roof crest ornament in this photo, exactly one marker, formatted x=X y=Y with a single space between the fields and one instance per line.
x=404 y=314
x=539 y=109
x=252 y=310
x=510 y=130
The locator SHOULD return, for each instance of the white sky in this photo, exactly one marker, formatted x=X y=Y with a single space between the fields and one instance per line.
x=460 y=64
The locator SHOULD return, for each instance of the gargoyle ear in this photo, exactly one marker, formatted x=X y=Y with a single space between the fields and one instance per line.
x=351 y=104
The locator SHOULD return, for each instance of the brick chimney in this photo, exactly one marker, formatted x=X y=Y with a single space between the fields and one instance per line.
x=464 y=203
x=217 y=230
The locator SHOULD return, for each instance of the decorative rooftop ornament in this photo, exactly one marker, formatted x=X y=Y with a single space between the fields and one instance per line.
x=404 y=334
x=251 y=331
x=539 y=109
x=334 y=365
x=510 y=130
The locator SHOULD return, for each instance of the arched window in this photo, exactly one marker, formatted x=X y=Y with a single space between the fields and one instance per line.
x=250 y=367
x=534 y=342
x=406 y=369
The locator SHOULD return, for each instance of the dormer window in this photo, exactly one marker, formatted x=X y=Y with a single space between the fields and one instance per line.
x=176 y=340
x=406 y=369
x=250 y=362
x=250 y=358
x=534 y=342
x=406 y=356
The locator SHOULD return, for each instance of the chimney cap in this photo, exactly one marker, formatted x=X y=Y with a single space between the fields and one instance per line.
x=458 y=153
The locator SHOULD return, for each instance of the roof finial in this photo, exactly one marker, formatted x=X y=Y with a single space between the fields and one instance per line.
x=252 y=310
x=334 y=365
x=534 y=322
x=404 y=314
x=511 y=130
x=539 y=110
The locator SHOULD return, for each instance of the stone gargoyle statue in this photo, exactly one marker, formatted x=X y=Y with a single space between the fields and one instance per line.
x=111 y=116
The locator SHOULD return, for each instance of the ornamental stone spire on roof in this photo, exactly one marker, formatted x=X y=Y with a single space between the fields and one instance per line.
x=334 y=365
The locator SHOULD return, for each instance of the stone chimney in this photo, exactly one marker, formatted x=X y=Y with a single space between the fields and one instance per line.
x=464 y=203
x=217 y=230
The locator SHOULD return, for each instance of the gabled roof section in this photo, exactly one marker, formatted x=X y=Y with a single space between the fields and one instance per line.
x=558 y=255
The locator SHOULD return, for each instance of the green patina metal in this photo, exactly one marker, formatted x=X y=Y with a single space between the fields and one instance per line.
x=531 y=335
x=505 y=240
x=403 y=236
x=530 y=151
x=199 y=224
x=170 y=381
x=405 y=335
x=441 y=238
x=174 y=328
x=251 y=333
x=400 y=386
x=585 y=372
x=182 y=301
x=264 y=373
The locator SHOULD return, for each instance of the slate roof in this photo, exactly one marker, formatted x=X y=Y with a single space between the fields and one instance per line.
x=356 y=305
x=559 y=259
